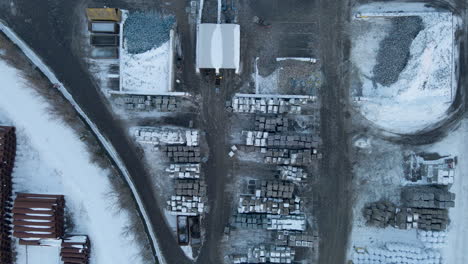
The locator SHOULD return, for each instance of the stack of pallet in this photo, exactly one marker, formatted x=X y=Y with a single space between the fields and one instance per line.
x=184 y=171
x=432 y=219
x=295 y=239
x=161 y=103
x=287 y=222
x=276 y=206
x=292 y=173
x=190 y=187
x=428 y=197
x=265 y=105
x=182 y=154
x=271 y=124
x=268 y=139
x=75 y=250
x=250 y=221
x=7 y=158
x=380 y=214
x=185 y=205
x=289 y=157
x=275 y=189
x=38 y=216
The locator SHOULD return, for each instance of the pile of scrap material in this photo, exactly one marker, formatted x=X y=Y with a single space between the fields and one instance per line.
x=271 y=124
x=427 y=197
x=75 y=250
x=7 y=159
x=265 y=105
x=38 y=216
x=292 y=173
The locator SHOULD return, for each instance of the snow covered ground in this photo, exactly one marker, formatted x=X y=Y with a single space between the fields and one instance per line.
x=146 y=72
x=53 y=159
x=425 y=87
x=385 y=179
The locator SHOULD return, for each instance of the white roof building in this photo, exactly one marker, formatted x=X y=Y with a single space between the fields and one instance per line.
x=218 y=46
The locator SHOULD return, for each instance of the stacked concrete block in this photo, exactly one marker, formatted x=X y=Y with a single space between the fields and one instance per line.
x=270 y=140
x=75 y=250
x=182 y=154
x=380 y=214
x=432 y=219
x=287 y=222
x=250 y=221
x=427 y=197
x=292 y=173
x=7 y=159
x=159 y=135
x=433 y=239
x=161 y=103
x=295 y=239
x=289 y=157
x=264 y=105
x=190 y=187
x=275 y=189
x=185 y=205
x=184 y=171
x=271 y=124
x=265 y=254
x=405 y=218
x=397 y=253
x=274 y=206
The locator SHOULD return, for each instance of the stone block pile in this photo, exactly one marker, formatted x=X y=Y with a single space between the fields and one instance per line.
x=265 y=105
x=292 y=173
x=160 y=103
x=185 y=205
x=289 y=157
x=296 y=239
x=184 y=171
x=274 y=206
x=272 y=124
x=287 y=222
x=266 y=254
x=250 y=221
x=275 y=189
x=380 y=214
x=182 y=154
x=190 y=187
x=427 y=197
x=165 y=136
x=268 y=139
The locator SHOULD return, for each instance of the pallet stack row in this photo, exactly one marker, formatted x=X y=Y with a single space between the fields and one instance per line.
x=7 y=159
x=75 y=250
x=38 y=216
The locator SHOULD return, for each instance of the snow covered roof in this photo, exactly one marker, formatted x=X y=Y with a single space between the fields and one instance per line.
x=218 y=46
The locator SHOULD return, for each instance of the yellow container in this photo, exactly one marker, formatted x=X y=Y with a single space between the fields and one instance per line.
x=104 y=14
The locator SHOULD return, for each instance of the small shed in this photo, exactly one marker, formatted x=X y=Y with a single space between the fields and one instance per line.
x=218 y=46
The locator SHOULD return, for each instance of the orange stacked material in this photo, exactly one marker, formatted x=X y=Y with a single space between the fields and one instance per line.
x=75 y=250
x=7 y=159
x=38 y=216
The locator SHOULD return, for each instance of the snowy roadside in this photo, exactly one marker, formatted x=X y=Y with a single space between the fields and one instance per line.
x=53 y=159
x=109 y=148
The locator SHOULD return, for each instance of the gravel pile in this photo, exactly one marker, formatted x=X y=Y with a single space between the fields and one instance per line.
x=394 y=50
x=144 y=31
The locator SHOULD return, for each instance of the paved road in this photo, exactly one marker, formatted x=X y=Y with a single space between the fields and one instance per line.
x=47 y=26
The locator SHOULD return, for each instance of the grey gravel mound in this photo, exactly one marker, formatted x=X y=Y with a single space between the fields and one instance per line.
x=144 y=31
x=394 y=50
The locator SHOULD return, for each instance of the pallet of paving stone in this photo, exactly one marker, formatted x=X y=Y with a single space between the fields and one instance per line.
x=272 y=124
x=182 y=154
x=427 y=197
x=190 y=187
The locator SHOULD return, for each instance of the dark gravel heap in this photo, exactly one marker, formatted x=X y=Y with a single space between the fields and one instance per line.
x=144 y=31
x=394 y=51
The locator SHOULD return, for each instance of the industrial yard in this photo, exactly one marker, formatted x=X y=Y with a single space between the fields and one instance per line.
x=231 y=131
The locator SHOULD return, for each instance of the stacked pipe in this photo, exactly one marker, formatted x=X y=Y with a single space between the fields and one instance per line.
x=38 y=216
x=7 y=159
x=75 y=250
